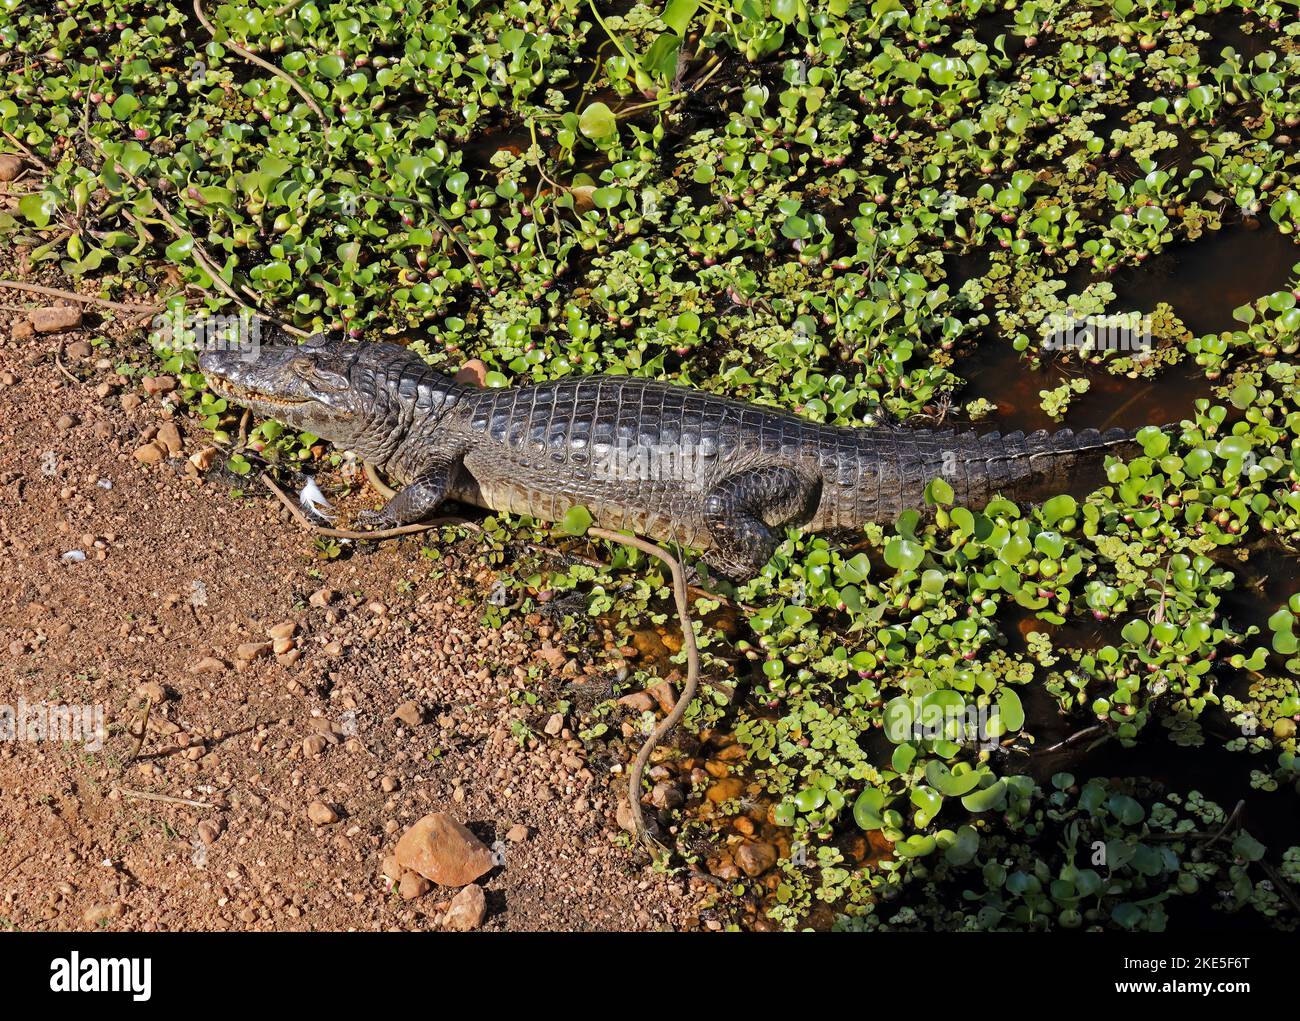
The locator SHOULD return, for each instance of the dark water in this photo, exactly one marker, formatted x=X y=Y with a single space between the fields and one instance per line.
x=1202 y=281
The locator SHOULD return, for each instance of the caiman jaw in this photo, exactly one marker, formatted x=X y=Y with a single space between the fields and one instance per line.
x=243 y=394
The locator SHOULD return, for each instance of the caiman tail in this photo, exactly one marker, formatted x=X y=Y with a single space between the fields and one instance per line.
x=899 y=463
x=1043 y=464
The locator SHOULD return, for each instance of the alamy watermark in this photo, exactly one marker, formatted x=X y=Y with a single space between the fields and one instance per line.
x=1124 y=332
x=33 y=722
x=653 y=462
x=975 y=725
x=240 y=332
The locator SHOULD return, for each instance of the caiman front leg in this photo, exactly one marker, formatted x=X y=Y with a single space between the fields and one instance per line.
x=738 y=508
x=415 y=501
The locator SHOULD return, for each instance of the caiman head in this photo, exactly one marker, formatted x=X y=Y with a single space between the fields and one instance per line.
x=327 y=386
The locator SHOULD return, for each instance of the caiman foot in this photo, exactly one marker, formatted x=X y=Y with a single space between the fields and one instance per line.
x=737 y=512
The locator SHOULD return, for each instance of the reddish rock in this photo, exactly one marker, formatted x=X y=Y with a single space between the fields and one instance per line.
x=55 y=319
x=755 y=857
x=441 y=849
x=468 y=909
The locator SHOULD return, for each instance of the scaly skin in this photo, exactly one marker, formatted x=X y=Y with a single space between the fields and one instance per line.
x=665 y=461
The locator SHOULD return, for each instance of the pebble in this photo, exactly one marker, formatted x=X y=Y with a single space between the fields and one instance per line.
x=55 y=319
x=206 y=665
x=150 y=453
x=413 y=885
x=638 y=701
x=202 y=459
x=472 y=373
x=170 y=438
x=321 y=814
x=101 y=913
x=250 y=651
x=755 y=857
x=468 y=909
x=409 y=713
x=151 y=691
x=322 y=597
x=65 y=422
x=441 y=849
x=156 y=385
x=10 y=167
x=517 y=834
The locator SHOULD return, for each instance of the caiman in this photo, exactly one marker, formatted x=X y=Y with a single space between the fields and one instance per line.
x=671 y=463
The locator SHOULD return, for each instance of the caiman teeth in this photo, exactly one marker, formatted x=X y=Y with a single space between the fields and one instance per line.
x=244 y=394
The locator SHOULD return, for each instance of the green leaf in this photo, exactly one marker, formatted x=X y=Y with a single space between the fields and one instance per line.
x=597 y=122
x=904 y=554
x=125 y=105
x=678 y=14
x=576 y=520
x=330 y=65
x=1010 y=710
x=939 y=492
x=37 y=208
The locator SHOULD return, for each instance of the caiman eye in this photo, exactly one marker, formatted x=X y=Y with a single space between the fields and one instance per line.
x=321 y=379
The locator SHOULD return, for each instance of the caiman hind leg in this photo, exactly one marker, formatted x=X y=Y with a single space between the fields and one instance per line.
x=738 y=510
x=415 y=501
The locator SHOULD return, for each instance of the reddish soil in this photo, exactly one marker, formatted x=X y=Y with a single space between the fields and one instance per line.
x=179 y=568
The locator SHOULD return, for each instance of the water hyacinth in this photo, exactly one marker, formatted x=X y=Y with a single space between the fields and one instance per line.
x=867 y=212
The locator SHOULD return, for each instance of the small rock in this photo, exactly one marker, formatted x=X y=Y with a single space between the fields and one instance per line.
x=413 y=885
x=554 y=725
x=441 y=849
x=667 y=796
x=23 y=330
x=314 y=746
x=391 y=869
x=755 y=857
x=472 y=373
x=202 y=459
x=65 y=422
x=321 y=814
x=157 y=385
x=152 y=691
x=285 y=630
x=623 y=815
x=517 y=834
x=250 y=651
x=209 y=831
x=664 y=694
x=555 y=658
x=10 y=167
x=78 y=350
x=170 y=437
x=101 y=913
x=322 y=597
x=150 y=453
x=55 y=319
x=638 y=701
x=206 y=665
x=725 y=790
x=467 y=911
x=409 y=713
